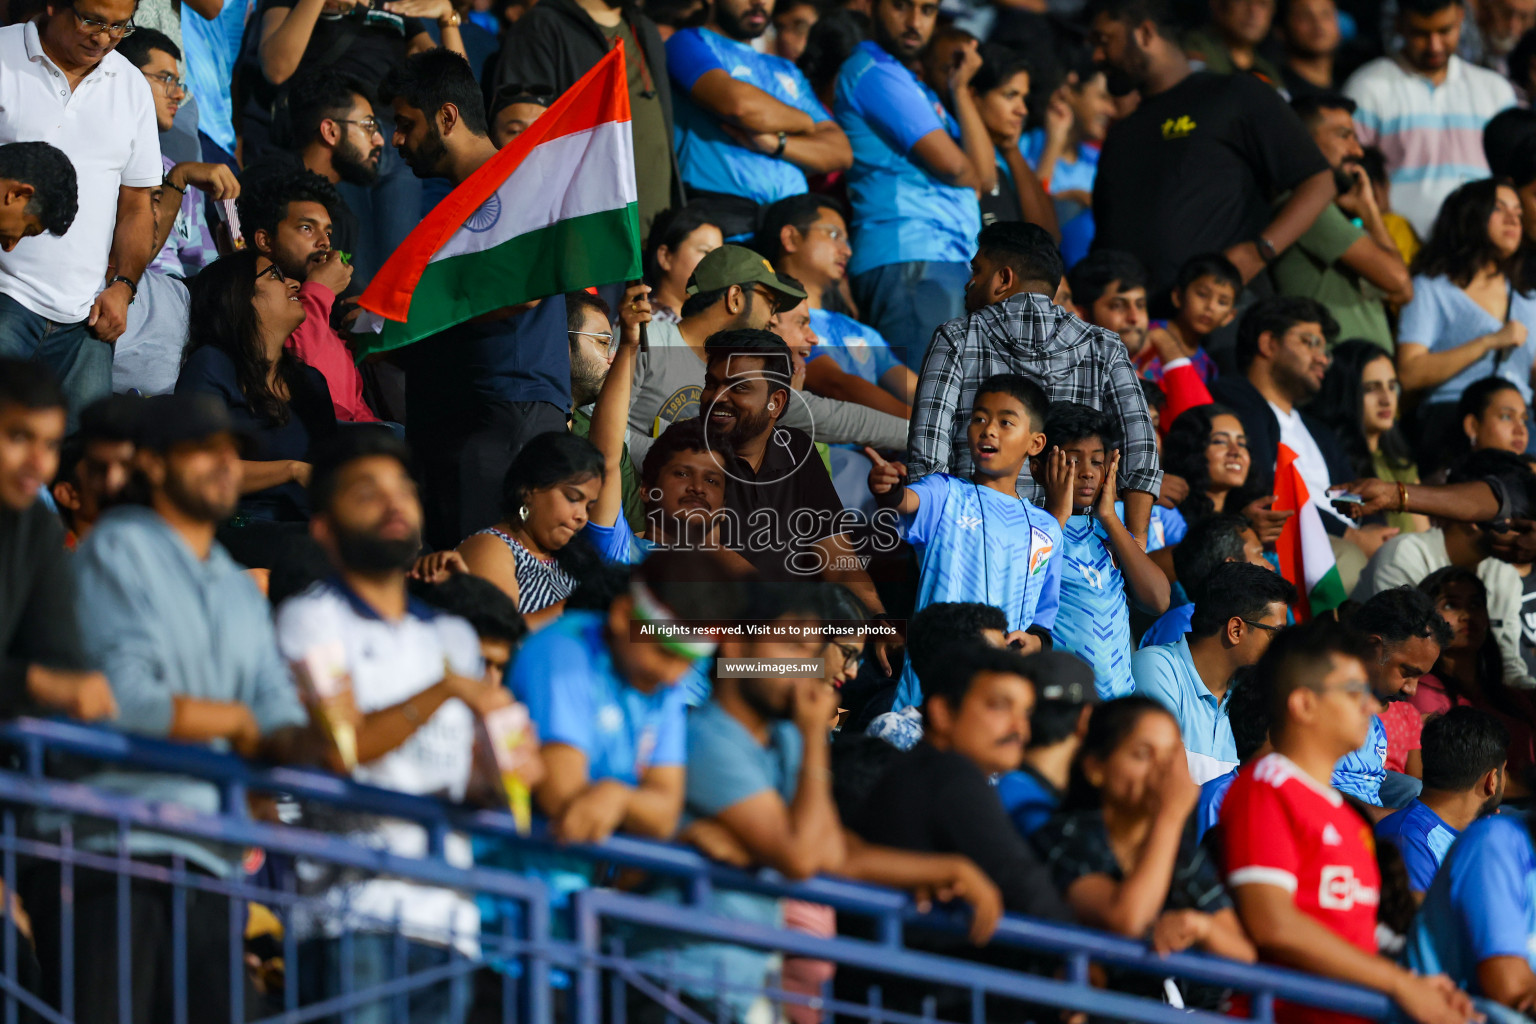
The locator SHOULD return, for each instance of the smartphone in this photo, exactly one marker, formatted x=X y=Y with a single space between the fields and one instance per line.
x=1346 y=499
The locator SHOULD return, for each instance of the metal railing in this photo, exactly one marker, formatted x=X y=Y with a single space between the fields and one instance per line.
x=570 y=962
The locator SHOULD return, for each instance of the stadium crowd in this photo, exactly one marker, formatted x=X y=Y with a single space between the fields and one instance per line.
x=1207 y=329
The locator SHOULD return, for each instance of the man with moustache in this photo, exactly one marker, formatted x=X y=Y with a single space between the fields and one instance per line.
x=1334 y=260
x=558 y=41
x=750 y=127
x=418 y=682
x=333 y=132
x=185 y=639
x=1186 y=173
x=289 y=219
x=476 y=392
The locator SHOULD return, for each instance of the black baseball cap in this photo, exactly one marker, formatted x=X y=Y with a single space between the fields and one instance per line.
x=166 y=421
x=1060 y=676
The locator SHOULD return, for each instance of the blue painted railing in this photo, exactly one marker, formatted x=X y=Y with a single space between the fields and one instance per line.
x=588 y=953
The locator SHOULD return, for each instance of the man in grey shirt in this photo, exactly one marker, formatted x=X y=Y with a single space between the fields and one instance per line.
x=186 y=642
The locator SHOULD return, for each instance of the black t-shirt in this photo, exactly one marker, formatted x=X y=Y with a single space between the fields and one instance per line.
x=1197 y=169
x=777 y=514
x=364 y=43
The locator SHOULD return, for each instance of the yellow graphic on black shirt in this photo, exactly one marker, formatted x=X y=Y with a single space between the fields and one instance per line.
x=1178 y=127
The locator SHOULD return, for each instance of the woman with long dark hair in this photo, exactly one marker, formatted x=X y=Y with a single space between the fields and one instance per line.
x=1119 y=850
x=1359 y=400
x=533 y=553
x=1001 y=88
x=1208 y=448
x=679 y=239
x=1470 y=669
x=243 y=311
x=1467 y=319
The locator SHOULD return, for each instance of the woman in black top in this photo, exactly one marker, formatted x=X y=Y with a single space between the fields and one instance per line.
x=244 y=311
x=1120 y=851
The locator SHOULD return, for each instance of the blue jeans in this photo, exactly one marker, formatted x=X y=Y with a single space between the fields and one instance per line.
x=386 y=213
x=905 y=302
x=373 y=963
x=82 y=363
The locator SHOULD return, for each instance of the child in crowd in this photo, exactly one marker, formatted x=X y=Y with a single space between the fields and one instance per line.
x=1102 y=558
x=1204 y=299
x=933 y=636
x=976 y=539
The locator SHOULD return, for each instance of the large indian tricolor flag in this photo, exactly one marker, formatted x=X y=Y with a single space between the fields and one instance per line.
x=553 y=212
x=1306 y=555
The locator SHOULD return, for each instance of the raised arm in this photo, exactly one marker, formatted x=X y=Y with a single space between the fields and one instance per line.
x=610 y=414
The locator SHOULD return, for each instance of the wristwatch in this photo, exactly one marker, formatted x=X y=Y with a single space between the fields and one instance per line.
x=783 y=142
x=453 y=21
x=133 y=287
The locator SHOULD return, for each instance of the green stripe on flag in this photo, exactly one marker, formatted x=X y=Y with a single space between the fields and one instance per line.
x=1327 y=593
x=595 y=249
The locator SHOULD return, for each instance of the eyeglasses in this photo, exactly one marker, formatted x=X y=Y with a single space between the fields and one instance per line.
x=1312 y=342
x=368 y=124
x=609 y=339
x=274 y=272
x=1266 y=627
x=836 y=234
x=91 y=26
x=169 y=81
x=850 y=652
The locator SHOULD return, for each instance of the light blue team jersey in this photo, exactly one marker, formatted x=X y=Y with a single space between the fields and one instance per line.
x=711 y=161
x=729 y=766
x=1361 y=772
x=1065 y=177
x=1166 y=673
x=1095 y=619
x=1208 y=807
x=1170 y=626
x=210 y=68
x=854 y=347
x=977 y=544
x=1422 y=837
x=565 y=674
x=1482 y=903
x=901 y=213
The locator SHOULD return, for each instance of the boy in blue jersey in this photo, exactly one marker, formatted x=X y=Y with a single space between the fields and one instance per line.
x=916 y=173
x=1406 y=633
x=749 y=125
x=1103 y=563
x=1464 y=758
x=976 y=539
x=1479 y=915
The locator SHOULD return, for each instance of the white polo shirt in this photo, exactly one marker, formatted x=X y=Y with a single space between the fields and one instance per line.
x=391 y=662
x=106 y=127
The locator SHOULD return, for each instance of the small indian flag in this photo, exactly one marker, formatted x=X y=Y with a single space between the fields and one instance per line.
x=1306 y=555
x=553 y=212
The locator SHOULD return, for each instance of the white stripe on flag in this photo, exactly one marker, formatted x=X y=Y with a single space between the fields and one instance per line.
x=574 y=175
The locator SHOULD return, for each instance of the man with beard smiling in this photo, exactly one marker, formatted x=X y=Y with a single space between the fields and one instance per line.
x=1188 y=171
x=788 y=520
x=750 y=127
x=1334 y=259
x=418 y=683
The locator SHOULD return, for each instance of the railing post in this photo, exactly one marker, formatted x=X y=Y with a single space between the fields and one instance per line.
x=589 y=994
x=537 y=918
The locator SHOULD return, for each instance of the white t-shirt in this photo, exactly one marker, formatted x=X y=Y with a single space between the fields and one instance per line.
x=106 y=127
x=1309 y=459
x=391 y=662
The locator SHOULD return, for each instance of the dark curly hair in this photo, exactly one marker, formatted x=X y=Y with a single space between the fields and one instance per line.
x=263 y=206
x=1184 y=455
x=223 y=313
x=1458 y=245
x=56 y=195
x=1339 y=404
